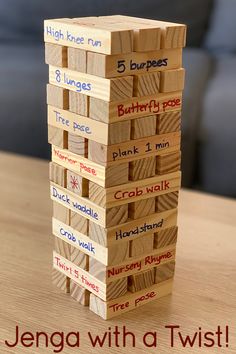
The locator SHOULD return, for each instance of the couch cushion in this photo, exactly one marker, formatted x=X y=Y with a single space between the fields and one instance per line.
x=198 y=69
x=218 y=130
x=221 y=36
x=23 y=119
x=23 y=19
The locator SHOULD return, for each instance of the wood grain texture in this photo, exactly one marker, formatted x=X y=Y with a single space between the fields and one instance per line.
x=117 y=289
x=78 y=145
x=79 y=258
x=62 y=247
x=141 y=281
x=106 y=89
x=55 y=55
x=98 y=233
x=79 y=223
x=97 y=194
x=110 y=41
x=143 y=127
x=61 y=213
x=146 y=84
x=119 y=132
x=116 y=175
x=108 y=65
x=57 y=137
x=130 y=301
x=77 y=184
x=164 y=272
x=77 y=59
x=142 y=168
x=57 y=174
x=172 y=80
x=168 y=122
x=116 y=215
x=132 y=150
x=167 y=201
x=141 y=245
x=132 y=108
x=79 y=294
x=79 y=103
x=142 y=208
x=61 y=281
x=57 y=96
x=166 y=237
x=167 y=163
x=206 y=216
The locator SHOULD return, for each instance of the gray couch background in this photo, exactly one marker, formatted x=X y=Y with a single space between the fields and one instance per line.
x=208 y=120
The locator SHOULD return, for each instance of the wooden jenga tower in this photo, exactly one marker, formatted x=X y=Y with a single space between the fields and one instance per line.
x=114 y=107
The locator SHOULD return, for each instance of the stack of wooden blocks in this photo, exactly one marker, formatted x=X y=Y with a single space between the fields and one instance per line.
x=114 y=109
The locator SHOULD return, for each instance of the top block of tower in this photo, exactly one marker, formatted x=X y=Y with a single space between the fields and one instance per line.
x=115 y=34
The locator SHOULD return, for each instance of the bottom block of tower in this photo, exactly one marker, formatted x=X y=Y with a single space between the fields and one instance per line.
x=130 y=301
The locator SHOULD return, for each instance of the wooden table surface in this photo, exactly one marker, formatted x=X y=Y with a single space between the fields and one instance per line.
x=204 y=289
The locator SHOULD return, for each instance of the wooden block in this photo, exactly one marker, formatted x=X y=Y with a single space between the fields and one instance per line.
x=77 y=184
x=79 y=223
x=55 y=55
x=131 y=230
x=79 y=103
x=117 y=175
x=130 y=301
x=172 y=80
x=119 y=132
x=80 y=125
x=110 y=112
x=143 y=127
x=132 y=150
x=116 y=215
x=142 y=208
x=79 y=258
x=83 y=206
x=167 y=201
x=98 y=233
x=57 y=96
x=79 y=275
x=141 y=245
x=105 y=177
x=57 y=174
x=167 y=163
x=146 y=226
x=80 y=241
x=62 y=247
x=164 y=272
x=117 y=255
x=109 y=66
x=79 y=294
x=168 y=122
x=173 y=35
x=77 y=59
x=166 y=237
x=61 y=281
x=116 y=289
x=97 y=194
x=137 y=190
x=61 y=213
x=96 y=39
x=130 y=266
x=107 y=89
x=134 y=266
x=57 y=137
x=146 y=84
x=84 y=167
x=142 y=168
x=141 y=281
x=78 y=145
